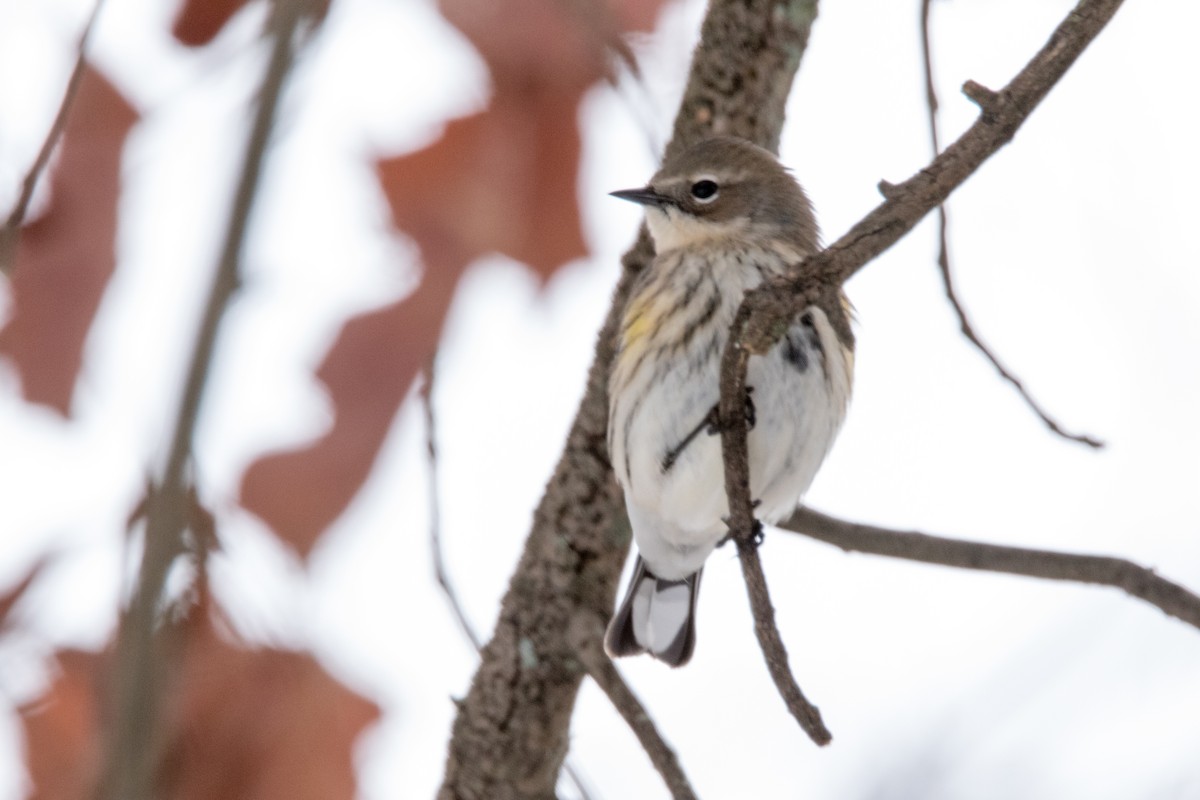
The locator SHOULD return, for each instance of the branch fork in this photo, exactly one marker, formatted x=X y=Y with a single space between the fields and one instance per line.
x=763 y=316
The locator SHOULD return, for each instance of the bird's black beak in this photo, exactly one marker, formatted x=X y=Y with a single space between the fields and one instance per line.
x=645 y=197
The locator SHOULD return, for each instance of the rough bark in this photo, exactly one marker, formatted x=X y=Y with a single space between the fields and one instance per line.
x=510 y=736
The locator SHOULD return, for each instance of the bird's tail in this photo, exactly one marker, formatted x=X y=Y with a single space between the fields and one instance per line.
x=657 y=617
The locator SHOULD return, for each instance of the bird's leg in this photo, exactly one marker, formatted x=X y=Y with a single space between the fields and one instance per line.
x=673 y=454
x=711 y=424
x=758 y=533
x=714 y=417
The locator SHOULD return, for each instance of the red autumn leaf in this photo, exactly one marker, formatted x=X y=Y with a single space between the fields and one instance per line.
x=261 y=723
x=242 y=722
x=199 y=21
x=65 y=258
x=300 y=493
x=501 y=181
x=63 y=744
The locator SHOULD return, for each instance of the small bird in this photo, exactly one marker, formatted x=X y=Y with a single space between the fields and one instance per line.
x=724 y=215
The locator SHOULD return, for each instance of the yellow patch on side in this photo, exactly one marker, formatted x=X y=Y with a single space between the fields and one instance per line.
x=641 y=320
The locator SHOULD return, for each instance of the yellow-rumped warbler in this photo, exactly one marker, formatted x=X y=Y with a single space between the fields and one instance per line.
x=724 y=214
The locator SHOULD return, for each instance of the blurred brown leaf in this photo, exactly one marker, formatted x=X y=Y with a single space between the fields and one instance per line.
x=63 y=737
x=65 y=257
x=500 y=181
x=199 y=21
x=245 y=722
x=261 y=723
x=301 y=492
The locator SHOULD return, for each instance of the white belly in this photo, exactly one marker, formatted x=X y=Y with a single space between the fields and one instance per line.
x=678 y=511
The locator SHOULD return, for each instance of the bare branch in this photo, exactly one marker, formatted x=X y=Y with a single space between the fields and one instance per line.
x=734 y=429
x=775 y=303
x=435 y=545
x=10 y=232
x=586 y=634
x=766 y=312
x=142 y=652
x=985 y=99
x=577 y=779
x=435 y=523
x=773 y=649
x=502 y=744
x=1135 y=580
x=743 y=529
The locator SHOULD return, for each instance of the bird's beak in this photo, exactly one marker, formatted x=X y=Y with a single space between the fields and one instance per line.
x=645 y=197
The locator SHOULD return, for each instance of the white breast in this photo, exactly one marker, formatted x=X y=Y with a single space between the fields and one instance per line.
x=657 y=401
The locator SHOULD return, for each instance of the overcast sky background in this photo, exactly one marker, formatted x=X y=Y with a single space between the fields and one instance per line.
x=1075 y=252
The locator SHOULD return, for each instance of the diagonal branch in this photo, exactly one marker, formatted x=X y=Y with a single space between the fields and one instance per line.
x=1002 y=114
x=767 y=311
x=1135 y=580
x=586 y=633
x=10 y=232
x=440 y=573
x=943 y=259
x=511 y=730
x=744 y=529
x=435 y=518
x=773 y=648
x=142 y=650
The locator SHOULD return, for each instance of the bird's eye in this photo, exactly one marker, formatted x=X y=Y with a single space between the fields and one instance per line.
x=704 y=191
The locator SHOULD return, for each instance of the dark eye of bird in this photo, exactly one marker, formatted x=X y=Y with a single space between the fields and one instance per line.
x=704 y=190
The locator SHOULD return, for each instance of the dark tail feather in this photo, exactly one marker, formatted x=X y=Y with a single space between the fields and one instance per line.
x=657 y=616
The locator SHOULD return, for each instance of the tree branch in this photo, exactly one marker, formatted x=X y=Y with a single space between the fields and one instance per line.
x=1002 y=114
x=440 y=573
x=586 y=633
x=943 y=258
x=510 y=734
x=766 y=312
x=435 y=523
x=773 y=649
x=142 y=651
x=10 y=232
x=744 y=529
x=1135 y=580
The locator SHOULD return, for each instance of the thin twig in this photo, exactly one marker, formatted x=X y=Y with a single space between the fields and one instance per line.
x=1002 y=113
x=585 y=635
x=1136 y=580
x=931 y=100
x=577 y=779
x=11 y=231
x=943 y=259
x=435 y=546
x=142 y=657
x=773 y=649
x=579 y=538
x=435 y=524
x=765 y=312
x=743 y=529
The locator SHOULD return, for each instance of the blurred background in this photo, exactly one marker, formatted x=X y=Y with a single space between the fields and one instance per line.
x=1075 y=254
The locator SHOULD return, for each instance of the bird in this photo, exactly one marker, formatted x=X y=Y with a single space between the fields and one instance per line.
x=724 y=216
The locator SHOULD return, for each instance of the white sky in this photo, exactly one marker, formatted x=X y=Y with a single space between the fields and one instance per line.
x=1075 y=253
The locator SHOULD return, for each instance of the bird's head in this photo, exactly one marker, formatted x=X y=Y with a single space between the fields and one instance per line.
x=725 y=188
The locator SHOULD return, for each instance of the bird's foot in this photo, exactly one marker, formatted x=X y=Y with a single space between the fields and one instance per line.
x=713 y=420
x=757 y=532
